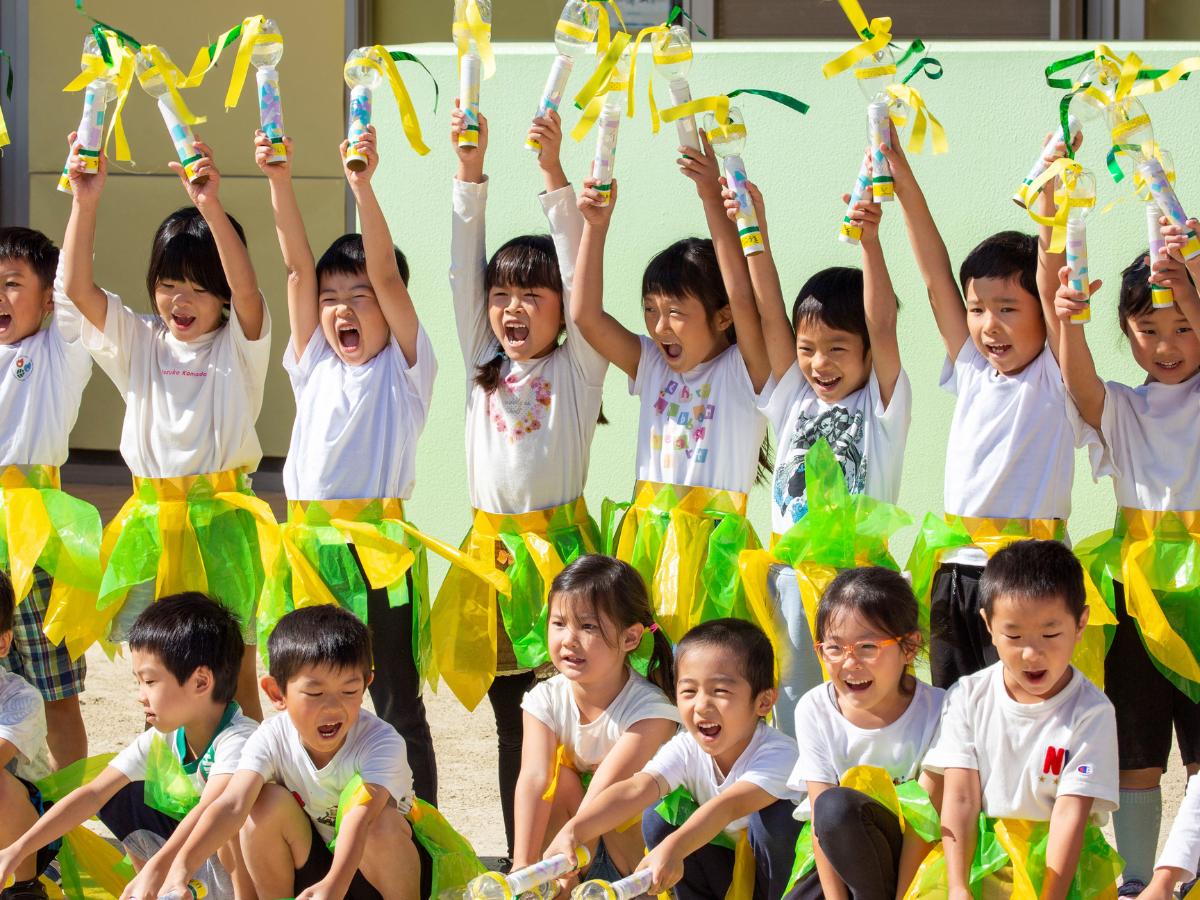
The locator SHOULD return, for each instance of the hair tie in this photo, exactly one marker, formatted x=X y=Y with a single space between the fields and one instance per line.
x=653 y=627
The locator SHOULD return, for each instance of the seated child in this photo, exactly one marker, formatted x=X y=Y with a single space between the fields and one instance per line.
x=1178 y=860
x=598 y=721
x=185 y=650
x=24 y=759
x=1029 y=741
x=732 y=764
x=286 y=797
x=873 y=713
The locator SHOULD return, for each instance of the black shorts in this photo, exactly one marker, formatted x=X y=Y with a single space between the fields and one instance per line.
x=959 y=643
x=1148 y=705
x=320 y=859
x=45 y=855
x=127 y=812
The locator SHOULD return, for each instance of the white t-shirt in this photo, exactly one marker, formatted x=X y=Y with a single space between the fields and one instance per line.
x=356 y=429
x=221 y=757
x=23 y=724
x=528 y=443
x=1182 y=849
x=373 y=749
x=1027 y=754
x=189 y=407
x=700 y=428
x=1151 y=444
x=829 y=745
x=553 y=704
x=766 y=762
x=41 y=383
x=867 y=440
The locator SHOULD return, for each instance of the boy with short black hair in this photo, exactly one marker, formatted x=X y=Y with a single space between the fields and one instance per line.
x=44 y=368
x=186 y=652
x=1029 y=741
x=287 y=796
x=732 y=764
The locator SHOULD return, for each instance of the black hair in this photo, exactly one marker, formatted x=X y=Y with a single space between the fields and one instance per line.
x=347 y=256
x=744 y=640
x=32 y=247
x=1034 y=571
x=1136 y=297
x=190 y=630
x=833 y=297
x=184 y=249
x=8 y=603
x=615 y=591
x=321 y=635
x=1004 y=255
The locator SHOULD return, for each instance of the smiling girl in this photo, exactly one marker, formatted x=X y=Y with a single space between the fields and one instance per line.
x=192 y=376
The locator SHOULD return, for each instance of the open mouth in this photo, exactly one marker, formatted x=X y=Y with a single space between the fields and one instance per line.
x=516 y=335
x=572 y=660
x=858 y=685
x=348 y=337
x=709 y=731
x=181 y=321
x=1035 y=676
x=1169 y=366
x=5 y=321
x=329 y=732
x=997 y=349
x=672 y=351
x=826 y=384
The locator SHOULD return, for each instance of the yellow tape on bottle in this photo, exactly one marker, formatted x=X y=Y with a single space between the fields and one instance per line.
x=471 y=27
x=93 y=67
x=1067 y=171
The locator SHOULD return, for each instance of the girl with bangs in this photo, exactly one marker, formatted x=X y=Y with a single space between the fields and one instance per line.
x=533 y=401
x=192 y=377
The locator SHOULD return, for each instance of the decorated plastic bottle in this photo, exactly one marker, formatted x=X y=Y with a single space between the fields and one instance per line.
x=1041 y=164
x=196 y=891
x=1077 y=256
x=536 y=879
x=181 y=133
x=1161 y=296
x=604 y=162
x=96 y=97
x=574 y=32
x=728 y=141
x=362 y=79
x=874 y=75
x=1155 y=177
x=470 y=70
x=672 y=51
x=627 y=888
x=265 y=56
x=850 y=233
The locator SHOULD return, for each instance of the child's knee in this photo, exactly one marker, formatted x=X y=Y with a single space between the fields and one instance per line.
x=14 y=796
x=389 y=831
x=274 y=813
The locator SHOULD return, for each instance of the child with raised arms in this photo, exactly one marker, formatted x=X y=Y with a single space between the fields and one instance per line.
x=533 y=401
x=837 y=376
x=44 y=368
x=1149 y=437
x=872 y=713
x=286 y=796
x=362 y=369
x=184 y=650
x=598 y=721
x=701 y=440
x=1029 y=742
x=724 y=778
x=192 y=375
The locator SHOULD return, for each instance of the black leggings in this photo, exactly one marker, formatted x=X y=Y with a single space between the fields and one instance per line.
x=505 y=695
x=396 y=689
x=862 y=841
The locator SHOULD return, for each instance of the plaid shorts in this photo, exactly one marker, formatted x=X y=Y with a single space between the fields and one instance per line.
x=47 y=667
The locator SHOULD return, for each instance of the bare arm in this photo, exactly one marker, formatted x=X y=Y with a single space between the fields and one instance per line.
x=632 y=751
x=1074 y=357
x=218 y=825
x=961 y=803
x=879 y=303
x=382 y=268
x=618 y=344
x=832 y=885
x=79 y=242
x=1173 y=272
x=1048 y=266
x=531 y=813
x=930 y=251
x=303 y=311
x=615 y=805
x=352 y=841
x=1067 y=823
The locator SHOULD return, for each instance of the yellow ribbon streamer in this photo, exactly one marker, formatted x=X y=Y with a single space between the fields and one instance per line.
x=880 y=30
x=608 y=78
x=172 y=77
x=252 y=33
x=381 y=60
x=1067 y=171
x=93 y=67
x=924 y=119
x=471 y=27
x=658 y=35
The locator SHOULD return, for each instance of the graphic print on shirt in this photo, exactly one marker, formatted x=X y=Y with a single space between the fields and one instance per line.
x=685 y=415
x=517 y=410
x=22 y=366
x=1055 y=762
x=844 y=433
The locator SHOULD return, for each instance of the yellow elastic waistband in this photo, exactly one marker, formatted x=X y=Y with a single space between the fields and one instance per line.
x=182 y=487
x=1141 y=524
x=14 y=477
x=695 y=500
x=982 y=529
x=538 y=521
x=320 y=512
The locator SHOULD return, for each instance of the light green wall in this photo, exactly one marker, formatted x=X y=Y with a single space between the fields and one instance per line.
x=996 y=110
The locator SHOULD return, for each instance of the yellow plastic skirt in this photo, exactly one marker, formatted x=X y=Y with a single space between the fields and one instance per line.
x=685 y=542
x=43 y=527
x=939 y=536
x=505 y=564
x=191 y=533
x=1156 y=556
x=317 y=566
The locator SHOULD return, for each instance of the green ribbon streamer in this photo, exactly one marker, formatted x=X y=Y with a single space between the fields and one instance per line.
x=790 y=102
x=929 y=65
x=235 y=33
x=404 y=56
x=679 y=806
x=677 y=11
x=98 y=29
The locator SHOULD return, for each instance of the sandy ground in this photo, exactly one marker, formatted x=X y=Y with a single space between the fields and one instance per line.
x=465 y=742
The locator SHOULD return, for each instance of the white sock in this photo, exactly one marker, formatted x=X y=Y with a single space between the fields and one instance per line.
x=1136 y=825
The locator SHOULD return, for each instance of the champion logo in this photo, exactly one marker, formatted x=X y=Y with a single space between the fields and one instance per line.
x=1084 y=769
x=22 y=366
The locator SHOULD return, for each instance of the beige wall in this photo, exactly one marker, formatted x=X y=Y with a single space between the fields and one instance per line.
x=417 y=21
x=137 y=198
x=1172 y=20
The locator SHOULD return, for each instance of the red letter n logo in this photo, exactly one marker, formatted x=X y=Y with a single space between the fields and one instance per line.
x=1056 y=760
